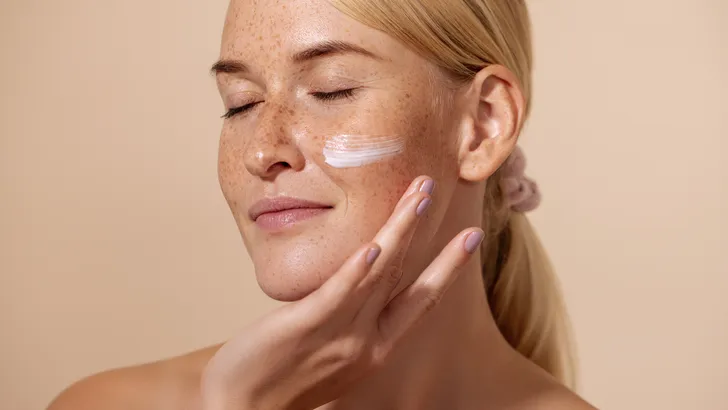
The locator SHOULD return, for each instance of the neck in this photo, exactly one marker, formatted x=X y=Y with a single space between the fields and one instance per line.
x=447 y=361
x=455 y=357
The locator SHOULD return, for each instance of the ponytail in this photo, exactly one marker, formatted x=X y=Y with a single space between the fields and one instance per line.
x=523 y=292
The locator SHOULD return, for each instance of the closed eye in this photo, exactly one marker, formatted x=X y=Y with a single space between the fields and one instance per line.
x=334 y=95
x=239 y=110
x=322 y=96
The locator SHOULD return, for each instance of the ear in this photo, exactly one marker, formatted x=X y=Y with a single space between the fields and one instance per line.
x=494 y=111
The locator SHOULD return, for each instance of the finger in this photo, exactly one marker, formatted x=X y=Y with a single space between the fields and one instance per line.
x=405 y=310
x=420 y=184
x=349 y=274
x=394 y=239
x=338 y=288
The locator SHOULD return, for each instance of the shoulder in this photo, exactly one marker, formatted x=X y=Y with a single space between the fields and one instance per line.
x=133 y=387
x=171 y=384
x=559 y=398
x=534 y=389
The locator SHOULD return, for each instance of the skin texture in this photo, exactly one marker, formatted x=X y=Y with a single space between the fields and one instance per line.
x=458 y=135
x=276 y=147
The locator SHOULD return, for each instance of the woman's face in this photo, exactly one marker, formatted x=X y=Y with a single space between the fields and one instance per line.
x=331 y=116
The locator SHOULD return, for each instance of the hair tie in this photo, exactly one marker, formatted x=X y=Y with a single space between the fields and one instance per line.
x=521 y=193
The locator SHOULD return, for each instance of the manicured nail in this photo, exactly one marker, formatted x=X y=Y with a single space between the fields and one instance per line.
x=422 y=207
x=372 y=255
x=428 y=186
x=473 y=241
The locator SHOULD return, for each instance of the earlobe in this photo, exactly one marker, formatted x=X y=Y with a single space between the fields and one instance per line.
x=493 y=116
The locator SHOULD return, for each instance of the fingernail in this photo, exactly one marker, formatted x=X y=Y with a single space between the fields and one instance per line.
x=473 y=241
x=422 y=207
x=372 y=255
x=428 y=186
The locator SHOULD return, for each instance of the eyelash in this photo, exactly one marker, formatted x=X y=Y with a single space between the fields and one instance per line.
x=321 y=96
x=335 y=95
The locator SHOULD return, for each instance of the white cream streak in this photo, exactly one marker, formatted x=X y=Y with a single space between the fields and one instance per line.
x=347 y=151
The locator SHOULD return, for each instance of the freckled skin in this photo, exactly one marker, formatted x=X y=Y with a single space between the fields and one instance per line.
x=276 y=147
x=456 y=358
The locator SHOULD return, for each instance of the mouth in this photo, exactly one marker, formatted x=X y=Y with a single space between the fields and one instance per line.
x=277 y=213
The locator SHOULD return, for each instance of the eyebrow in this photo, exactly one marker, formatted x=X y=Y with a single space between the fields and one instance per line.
x=323 y=49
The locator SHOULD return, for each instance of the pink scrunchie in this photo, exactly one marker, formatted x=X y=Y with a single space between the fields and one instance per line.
x=522 y=194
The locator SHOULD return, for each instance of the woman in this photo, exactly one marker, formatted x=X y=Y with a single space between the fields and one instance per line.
x=368 y=149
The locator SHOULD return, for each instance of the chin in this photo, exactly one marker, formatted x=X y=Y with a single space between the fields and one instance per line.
x=297 y=269
x=287 y=287
x=293 y=263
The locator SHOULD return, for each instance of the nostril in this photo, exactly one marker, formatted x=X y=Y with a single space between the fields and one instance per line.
x=278 y=167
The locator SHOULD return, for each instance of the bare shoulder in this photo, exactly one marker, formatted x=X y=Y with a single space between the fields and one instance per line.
x=558 y=397
x=569 y=401
x=134 y=387
x=171 y=384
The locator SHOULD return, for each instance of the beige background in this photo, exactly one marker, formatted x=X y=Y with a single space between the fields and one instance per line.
x=117 y=247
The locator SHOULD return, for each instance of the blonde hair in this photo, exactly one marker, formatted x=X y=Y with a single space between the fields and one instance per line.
x=462 y=37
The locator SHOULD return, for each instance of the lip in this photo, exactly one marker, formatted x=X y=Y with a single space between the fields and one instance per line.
x=279 y=212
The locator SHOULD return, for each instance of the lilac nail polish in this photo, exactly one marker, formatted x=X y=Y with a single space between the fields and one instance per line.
x=428 y=186
x=422 y=207
x=372 y=255
x=473 y=241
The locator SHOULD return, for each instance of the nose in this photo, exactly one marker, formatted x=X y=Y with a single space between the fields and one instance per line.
x=273 y=148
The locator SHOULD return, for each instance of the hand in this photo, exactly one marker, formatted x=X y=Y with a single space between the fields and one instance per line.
x=309 y=352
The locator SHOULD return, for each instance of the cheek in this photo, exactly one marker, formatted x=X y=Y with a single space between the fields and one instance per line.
x=425 y=137
x=424 y=127
x=373 y=191
x=381 y=185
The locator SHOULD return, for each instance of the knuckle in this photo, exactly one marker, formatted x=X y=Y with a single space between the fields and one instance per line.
x=431 y=300
x=393 y=275
x=378 y=277
x=379 y=356
x=352 y=350
x=387 y=277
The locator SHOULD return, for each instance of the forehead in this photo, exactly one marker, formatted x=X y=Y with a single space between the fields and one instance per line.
x=264 y=27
